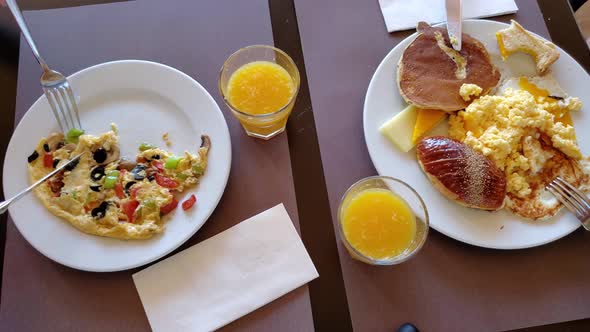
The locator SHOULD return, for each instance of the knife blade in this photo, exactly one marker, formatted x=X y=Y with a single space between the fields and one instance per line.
x=454 y=20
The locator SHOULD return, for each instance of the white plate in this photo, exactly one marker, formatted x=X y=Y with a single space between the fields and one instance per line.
x=145 y=99
x=501 y=229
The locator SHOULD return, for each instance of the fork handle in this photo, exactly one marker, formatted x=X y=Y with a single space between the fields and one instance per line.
x=4 y=205
x=16 y=12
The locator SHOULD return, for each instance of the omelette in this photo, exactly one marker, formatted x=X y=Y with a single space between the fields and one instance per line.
x=106 y=195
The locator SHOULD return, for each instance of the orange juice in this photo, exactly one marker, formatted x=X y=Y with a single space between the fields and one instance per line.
x=378 y=224
x=261 y=87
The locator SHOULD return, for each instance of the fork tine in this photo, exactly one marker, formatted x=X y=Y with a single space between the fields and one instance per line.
x=72 y=101
x=65 y=108
x=563 y=199
x=574 y=197
x=54 y=107
x=581 y=196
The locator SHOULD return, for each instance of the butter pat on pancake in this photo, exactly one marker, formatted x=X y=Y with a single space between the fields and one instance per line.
x=430 y=73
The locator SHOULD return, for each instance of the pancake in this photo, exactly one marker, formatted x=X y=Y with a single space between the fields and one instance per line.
x=547 y=163
x=430 y=72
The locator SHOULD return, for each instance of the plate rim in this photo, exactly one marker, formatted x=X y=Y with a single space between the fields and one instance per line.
x=441 y=229
x=125 y=267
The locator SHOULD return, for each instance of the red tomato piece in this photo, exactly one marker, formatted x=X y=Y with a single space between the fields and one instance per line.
x=165 y=181
x=133 y=192
x=158 y=165
x=48 y=160
x=129 y=208
x=119 y=190
x=169 y=207
x=189 y=202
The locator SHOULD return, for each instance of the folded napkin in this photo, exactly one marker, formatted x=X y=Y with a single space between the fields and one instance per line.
x=405 y=14
x=227 y=276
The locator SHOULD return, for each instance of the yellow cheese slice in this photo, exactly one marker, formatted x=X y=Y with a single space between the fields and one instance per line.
x=425 y=121
x=400 y=128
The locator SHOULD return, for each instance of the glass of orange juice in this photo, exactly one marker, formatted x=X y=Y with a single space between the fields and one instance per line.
x=259 y=85
x=382 y=221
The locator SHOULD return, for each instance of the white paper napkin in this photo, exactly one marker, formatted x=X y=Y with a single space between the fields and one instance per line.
x=227 y=276
x=405 y=14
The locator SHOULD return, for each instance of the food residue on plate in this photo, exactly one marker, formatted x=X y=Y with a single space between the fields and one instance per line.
x=166 y=138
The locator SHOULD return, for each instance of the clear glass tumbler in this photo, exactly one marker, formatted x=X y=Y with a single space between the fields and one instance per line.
x=264 y=126
x=414 y=202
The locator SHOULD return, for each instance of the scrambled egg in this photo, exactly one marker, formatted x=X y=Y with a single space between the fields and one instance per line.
x=467 y=90
x=500 y=127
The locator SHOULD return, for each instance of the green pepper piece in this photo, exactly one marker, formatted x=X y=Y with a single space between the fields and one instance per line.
x=172 y=162
x=114 y=173
x=198 y=170
x=146 y=146
x=182 y=176
x=110 y=181
x=149 y=203
x=73 y=135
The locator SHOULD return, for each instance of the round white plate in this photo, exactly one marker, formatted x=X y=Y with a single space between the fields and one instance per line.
x=500 y=230
x=145 y=100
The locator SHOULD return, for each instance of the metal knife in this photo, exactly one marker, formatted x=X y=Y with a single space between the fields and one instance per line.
x=454 y=19
x=4 y=205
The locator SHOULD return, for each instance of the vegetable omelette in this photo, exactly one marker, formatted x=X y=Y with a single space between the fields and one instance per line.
x=103 y=194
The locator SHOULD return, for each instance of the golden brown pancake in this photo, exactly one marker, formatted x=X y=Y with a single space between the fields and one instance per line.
x=462 y=174
x=430 y=72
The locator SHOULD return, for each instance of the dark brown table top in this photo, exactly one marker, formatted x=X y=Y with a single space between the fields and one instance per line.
x=449 y=286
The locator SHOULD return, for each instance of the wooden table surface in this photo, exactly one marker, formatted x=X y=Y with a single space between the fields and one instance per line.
x=325 y=305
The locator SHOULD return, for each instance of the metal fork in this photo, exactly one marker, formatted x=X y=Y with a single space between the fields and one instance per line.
x=4 y=205
x=573 y=199
x=55 y=85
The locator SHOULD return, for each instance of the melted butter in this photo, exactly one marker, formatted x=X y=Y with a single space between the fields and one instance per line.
x=458 y=59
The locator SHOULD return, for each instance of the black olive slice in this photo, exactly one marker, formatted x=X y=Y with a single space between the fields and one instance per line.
x=95 y=188
x=33 y=156
x=100 y=211
x=156 y=156
x=100 y=155
x=97 y=173
x=139 y=172
x=55 y=162
x=151 y=178
x=46 y=147
x=128 y=186
x=72 y=165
